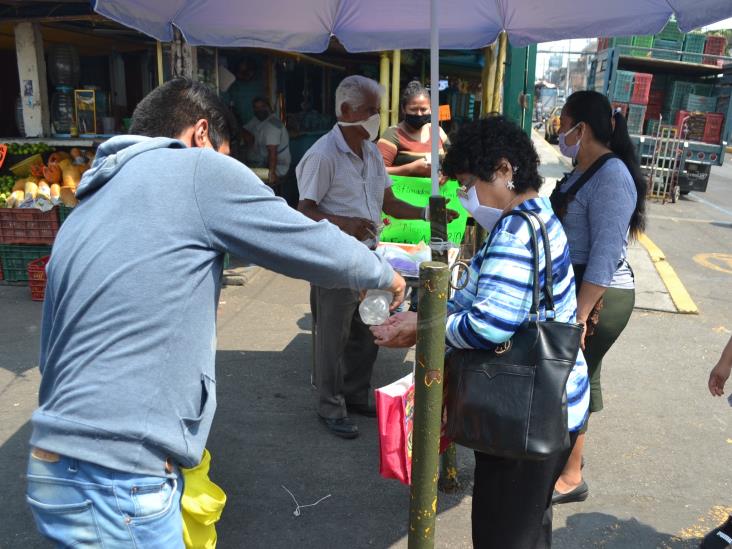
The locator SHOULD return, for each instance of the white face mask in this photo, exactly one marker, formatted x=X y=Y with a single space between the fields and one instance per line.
x=486 y=216
x=371 y=125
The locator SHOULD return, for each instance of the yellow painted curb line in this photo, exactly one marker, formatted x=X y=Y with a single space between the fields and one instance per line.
x=676 y=289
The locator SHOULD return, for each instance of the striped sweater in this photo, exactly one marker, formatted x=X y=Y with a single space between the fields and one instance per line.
x=497 y=298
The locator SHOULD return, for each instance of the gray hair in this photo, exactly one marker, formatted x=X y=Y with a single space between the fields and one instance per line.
x=353 y=90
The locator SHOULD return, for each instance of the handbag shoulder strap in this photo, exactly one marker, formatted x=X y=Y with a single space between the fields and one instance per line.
x=586 y=176
x=548 y=276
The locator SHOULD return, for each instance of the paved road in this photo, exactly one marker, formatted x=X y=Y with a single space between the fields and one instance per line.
x=658 y=456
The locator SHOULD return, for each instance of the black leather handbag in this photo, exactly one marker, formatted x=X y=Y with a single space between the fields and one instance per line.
x=512 y=401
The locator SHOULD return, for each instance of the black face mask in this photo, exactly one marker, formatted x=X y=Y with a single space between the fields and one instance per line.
x=417 y=120
x=261 y=115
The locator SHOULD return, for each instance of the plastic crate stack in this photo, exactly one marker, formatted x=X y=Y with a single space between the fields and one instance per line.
x=671 y=39
x=654 y=109
x=676 y=98
x=25 y=236
x=694 y=46
x=715 y=45
x=641 y=88
x=713 y=127
x=700 y=103
x=691 y=125
x=15 y=259
x=635 y=119
x=623 y=86
x=37 y=278
x=642 y=42
x=652 y=126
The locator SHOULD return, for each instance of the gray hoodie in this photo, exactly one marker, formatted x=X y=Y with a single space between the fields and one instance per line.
x=128 y=337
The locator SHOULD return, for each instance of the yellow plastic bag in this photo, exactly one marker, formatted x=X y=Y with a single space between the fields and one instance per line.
x=202 y=503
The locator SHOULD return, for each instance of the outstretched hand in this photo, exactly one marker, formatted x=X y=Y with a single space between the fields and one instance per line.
x=399 y=331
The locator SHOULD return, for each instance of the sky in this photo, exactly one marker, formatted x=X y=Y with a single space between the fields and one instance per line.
x=542 y=59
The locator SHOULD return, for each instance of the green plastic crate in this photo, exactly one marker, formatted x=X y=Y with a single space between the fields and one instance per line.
x=622 y=86
x=636 y=116
x=15 y=258
x=642 y=42
x=671 y=32
x=694 y=42
x=701 y=88
x=692 y=58
x=700 y=103
x=652 y=126
x=680 y=91
x=63 y=213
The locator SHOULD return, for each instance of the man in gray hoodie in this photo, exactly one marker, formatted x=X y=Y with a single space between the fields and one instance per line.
x=128 y=339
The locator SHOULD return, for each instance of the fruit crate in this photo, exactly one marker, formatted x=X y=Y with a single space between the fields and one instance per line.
x=622 y=86
x=63 y=213
x=641 y=42
x=700 y=103
x=713 y=127
x=636 y=116
x=27 y=226
x=37 y=278
x=14 y=260
x=641 y=88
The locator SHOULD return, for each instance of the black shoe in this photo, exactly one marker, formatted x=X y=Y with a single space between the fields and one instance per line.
x=578 y=494
x=366 y=410
x=341 y=427
x=719 y=538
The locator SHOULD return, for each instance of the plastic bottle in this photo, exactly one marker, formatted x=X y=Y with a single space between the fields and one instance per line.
x=374 y=309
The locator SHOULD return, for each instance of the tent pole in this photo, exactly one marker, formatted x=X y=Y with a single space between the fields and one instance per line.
x=396 y=60
x=159 y=51
x=428 y=375
x=500 y=71
x=384 y=80
x=490 y=79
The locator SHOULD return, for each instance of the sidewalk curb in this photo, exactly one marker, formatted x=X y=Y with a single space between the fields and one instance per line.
x=679 y=295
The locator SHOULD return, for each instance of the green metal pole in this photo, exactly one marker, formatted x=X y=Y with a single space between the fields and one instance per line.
x=438 y=227
x=428 y=386
x=449 y=482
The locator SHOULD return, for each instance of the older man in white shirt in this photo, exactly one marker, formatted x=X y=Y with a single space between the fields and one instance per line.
x=342 y=179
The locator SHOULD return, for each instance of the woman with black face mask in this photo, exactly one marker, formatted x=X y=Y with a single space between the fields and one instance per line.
x=406 y=147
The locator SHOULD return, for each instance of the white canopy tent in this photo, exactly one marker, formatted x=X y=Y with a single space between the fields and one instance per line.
x=376 y=25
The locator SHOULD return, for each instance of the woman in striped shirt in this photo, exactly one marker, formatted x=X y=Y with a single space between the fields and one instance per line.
x=497 y=165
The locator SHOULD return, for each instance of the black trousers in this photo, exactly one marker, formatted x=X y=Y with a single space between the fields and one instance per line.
x=512 y=500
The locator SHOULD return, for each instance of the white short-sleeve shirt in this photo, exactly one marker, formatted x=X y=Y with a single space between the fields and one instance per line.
x=340 y=182
x=270 y=131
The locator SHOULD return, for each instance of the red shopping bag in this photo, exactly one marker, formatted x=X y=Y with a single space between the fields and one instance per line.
x=395 y=417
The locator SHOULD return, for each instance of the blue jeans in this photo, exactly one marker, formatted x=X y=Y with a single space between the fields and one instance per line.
x=79 y=504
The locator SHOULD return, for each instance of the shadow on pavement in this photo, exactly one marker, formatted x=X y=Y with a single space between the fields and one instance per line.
x=266 y=435
x=609 y=532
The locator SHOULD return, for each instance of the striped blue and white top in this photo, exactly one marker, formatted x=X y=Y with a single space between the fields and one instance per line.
x=497 y=298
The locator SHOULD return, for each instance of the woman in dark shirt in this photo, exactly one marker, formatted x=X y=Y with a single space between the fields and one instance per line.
x=406 y=147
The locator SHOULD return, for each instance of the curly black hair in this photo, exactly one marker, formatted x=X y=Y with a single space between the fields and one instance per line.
x=478 y=147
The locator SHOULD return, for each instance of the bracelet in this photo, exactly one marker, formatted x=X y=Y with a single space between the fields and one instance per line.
x=426 y=213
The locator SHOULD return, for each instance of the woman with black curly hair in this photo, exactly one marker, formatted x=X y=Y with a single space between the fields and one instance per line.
x=497 y=166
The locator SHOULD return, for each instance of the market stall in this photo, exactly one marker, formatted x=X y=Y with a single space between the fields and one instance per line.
x=37 y=193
